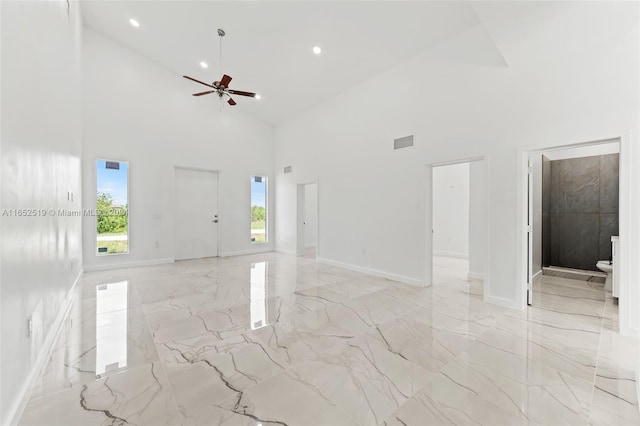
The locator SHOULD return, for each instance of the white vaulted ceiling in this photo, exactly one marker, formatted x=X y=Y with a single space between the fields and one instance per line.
x=268 y=47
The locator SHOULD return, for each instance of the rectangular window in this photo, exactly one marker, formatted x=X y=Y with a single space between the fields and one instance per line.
x=112 y=207
x=258 y=209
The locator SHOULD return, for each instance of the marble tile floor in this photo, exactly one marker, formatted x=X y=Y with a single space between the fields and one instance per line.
x=272 y=339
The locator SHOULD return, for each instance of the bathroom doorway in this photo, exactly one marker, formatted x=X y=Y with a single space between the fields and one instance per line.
x=458 y=225
x=572 y=221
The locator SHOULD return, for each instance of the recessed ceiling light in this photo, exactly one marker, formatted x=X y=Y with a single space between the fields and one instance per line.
x=257 y=96
x=134 y=23
x=203 y=64
x=317 y=50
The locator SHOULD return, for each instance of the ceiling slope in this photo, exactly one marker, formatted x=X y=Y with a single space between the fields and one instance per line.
x=268 y=44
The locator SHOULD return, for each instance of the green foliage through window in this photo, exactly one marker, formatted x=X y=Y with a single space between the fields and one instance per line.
x=111 y=219
x=112 y=207
x=258 y=209
x=258 y=214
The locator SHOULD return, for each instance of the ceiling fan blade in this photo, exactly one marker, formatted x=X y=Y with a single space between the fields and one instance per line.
x=231 y=101
x=204 y=93
x=225 y=81
x=198 y=81
x=241 y=93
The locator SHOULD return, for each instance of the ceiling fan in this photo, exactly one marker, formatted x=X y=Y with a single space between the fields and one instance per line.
x=221 y=88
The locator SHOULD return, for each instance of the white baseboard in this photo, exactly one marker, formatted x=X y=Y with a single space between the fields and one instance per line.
x=123 y=265
x=375 y=272
x=629 y=331
x=283 y=251
x=245 y=252
x=537 y=274
x=451 y=254
x=501 y=301
x=23 y=394
x=475 y=276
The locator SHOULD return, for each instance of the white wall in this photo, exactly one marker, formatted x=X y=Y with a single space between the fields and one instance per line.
x=459 y=110
x=451 y=210
x=41 y=135
x=536 y=163
x=310 y=214
x=477 y=220
x=138 y=112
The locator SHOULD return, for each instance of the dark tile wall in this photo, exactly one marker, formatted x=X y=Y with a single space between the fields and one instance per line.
x=579 y=210
x=546 y=210
x=609 y=183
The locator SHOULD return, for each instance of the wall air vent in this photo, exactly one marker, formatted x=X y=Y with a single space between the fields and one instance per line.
x=287 y=169
x=401 y=143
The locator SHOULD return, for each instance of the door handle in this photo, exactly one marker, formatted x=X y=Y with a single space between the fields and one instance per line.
x=215 y=221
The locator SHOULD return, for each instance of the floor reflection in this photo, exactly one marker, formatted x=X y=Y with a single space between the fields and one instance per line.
x=111 y=327
x=331 y=341
x=259 y=295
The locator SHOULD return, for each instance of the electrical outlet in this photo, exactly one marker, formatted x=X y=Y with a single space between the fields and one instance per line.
x=29 y=327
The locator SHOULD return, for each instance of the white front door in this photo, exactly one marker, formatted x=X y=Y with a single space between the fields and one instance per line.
x=196 y=218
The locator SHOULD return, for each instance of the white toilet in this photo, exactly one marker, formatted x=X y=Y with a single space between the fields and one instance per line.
x=604 y=266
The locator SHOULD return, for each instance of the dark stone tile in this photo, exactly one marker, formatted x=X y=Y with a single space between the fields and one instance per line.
x=581 y=210
x=546 y=239
x=608 y=228
x=546 y=185
x=575 y=242
x=554 y=241
x=609 y=183
x=575 y=185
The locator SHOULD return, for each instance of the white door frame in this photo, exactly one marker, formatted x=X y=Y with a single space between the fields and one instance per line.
x=200 y=169
x=300 y=202
x=428 y=237
x=522 y=180
x=529 y=232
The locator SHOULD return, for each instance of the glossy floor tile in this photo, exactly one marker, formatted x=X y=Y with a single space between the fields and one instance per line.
x=276 y=339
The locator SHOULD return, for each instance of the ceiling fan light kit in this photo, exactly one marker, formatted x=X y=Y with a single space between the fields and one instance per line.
x=221 y=88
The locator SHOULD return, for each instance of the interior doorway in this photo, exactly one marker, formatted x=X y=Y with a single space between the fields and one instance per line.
x=457 y=223
x=196 y=213
x=307 y=220
x=571 y=219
